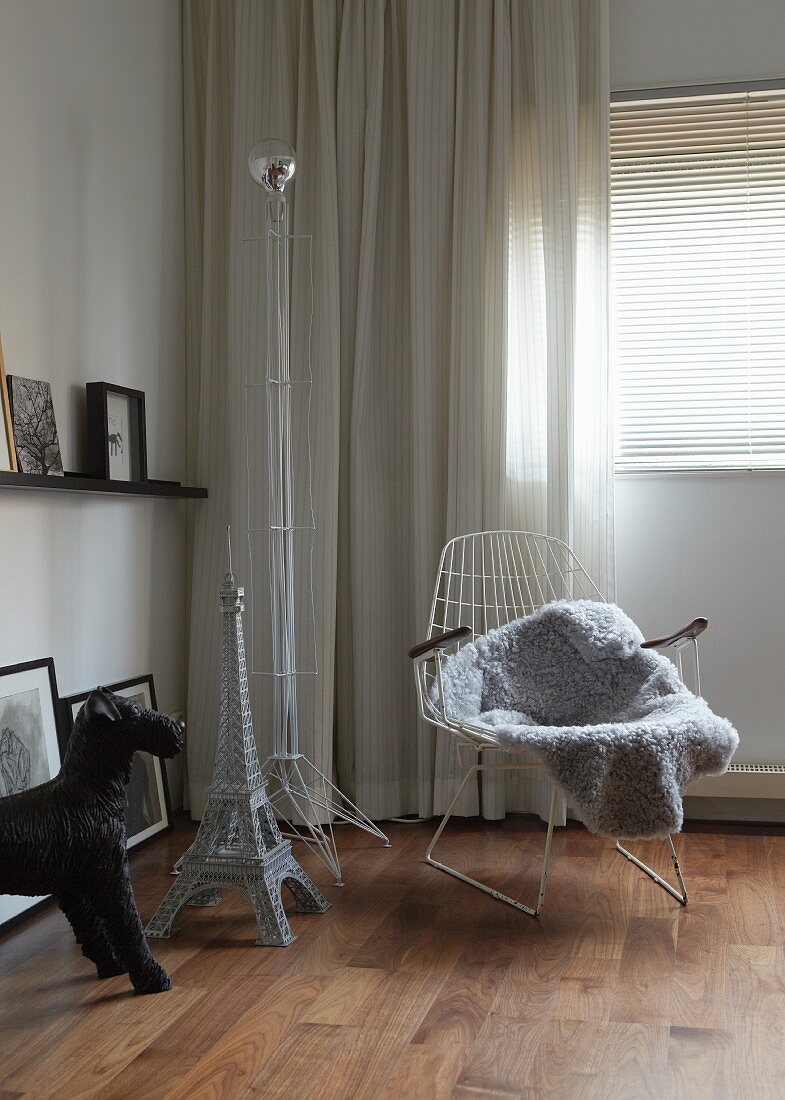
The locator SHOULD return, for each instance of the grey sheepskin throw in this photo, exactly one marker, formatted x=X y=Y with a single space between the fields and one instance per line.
x=613 y=723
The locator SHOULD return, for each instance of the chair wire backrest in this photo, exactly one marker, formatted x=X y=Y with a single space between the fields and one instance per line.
x=491 y=578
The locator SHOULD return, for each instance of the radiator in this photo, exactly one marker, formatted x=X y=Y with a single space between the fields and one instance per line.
x=742 y=781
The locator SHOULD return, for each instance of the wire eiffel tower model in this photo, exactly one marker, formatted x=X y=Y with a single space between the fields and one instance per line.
x=309 y=802
x=239 y=845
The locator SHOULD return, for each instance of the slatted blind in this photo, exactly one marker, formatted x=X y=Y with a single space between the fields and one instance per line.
x=698 y=238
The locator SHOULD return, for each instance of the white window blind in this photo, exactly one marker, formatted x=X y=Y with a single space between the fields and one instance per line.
x=698 y=239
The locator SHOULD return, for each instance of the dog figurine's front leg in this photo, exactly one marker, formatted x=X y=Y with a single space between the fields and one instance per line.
x=117 y=908
x=91 y=936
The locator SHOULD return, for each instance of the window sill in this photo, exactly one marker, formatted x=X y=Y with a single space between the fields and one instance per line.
x=694 y=471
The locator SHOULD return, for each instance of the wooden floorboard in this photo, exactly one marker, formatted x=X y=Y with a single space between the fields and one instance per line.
x=414 y=985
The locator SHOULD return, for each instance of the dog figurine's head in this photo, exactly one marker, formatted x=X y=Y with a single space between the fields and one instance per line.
x=110 y=725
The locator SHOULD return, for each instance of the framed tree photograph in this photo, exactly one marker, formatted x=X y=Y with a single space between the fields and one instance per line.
x=148 y=808
x=29 y=744
x=7 y=448
x=34 y=426
x=116 y=432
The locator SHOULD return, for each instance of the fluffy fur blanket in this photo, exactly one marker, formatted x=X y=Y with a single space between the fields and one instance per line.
x=613 y=723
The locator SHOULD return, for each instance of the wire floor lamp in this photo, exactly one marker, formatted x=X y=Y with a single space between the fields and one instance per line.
x=298 y=790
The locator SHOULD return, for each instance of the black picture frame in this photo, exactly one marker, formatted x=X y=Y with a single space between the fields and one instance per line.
x=101 y=444
x=54 y=753
x=142 y=762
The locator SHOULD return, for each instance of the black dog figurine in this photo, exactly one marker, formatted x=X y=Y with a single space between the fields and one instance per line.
x=68 y=837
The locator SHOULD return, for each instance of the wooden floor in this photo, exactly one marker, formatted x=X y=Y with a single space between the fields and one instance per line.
x=414 y=985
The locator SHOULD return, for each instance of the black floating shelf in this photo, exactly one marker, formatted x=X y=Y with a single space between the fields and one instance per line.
x=78 y=483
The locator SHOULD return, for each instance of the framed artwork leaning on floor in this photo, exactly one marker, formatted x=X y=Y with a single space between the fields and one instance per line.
x=29 y=744
x=148 y=810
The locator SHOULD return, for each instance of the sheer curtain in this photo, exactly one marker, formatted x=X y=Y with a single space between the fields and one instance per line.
x=452 y=167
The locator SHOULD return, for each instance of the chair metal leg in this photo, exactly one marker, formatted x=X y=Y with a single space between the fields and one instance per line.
x=481 y=885
x=681 y=897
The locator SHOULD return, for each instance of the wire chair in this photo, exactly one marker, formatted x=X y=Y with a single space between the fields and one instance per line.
x=486 y=580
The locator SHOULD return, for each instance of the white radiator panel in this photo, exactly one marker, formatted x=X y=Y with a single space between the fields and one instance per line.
x=742 y=781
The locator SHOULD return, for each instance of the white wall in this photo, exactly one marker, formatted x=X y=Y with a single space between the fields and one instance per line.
x=661 y=43
x=91 y=289
x=714 y=545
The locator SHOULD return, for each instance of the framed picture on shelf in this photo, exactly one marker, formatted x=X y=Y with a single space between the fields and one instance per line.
x=148 y=810
x=116 y=432
x=29 y=744
x=34 y=427
x=7 y=449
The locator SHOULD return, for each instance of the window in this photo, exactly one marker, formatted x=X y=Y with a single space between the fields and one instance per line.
x=698 y=240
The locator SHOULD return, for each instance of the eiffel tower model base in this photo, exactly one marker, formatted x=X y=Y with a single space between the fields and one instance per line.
x=259 y=877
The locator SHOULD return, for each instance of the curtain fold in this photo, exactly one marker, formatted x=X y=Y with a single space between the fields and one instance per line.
x=452 y=168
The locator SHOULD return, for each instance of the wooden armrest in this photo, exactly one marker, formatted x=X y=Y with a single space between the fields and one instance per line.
x=691 y=630
x=439 y=641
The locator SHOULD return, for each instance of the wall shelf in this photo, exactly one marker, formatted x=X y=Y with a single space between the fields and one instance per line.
x=79 y=483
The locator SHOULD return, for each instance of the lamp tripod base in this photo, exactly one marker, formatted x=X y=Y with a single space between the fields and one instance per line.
x=312 y=805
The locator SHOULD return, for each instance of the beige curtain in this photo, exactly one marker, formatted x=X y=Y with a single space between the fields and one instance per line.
x=452 y=168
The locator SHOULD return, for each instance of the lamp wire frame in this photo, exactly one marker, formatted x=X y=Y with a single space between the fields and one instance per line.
x=309 y=803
